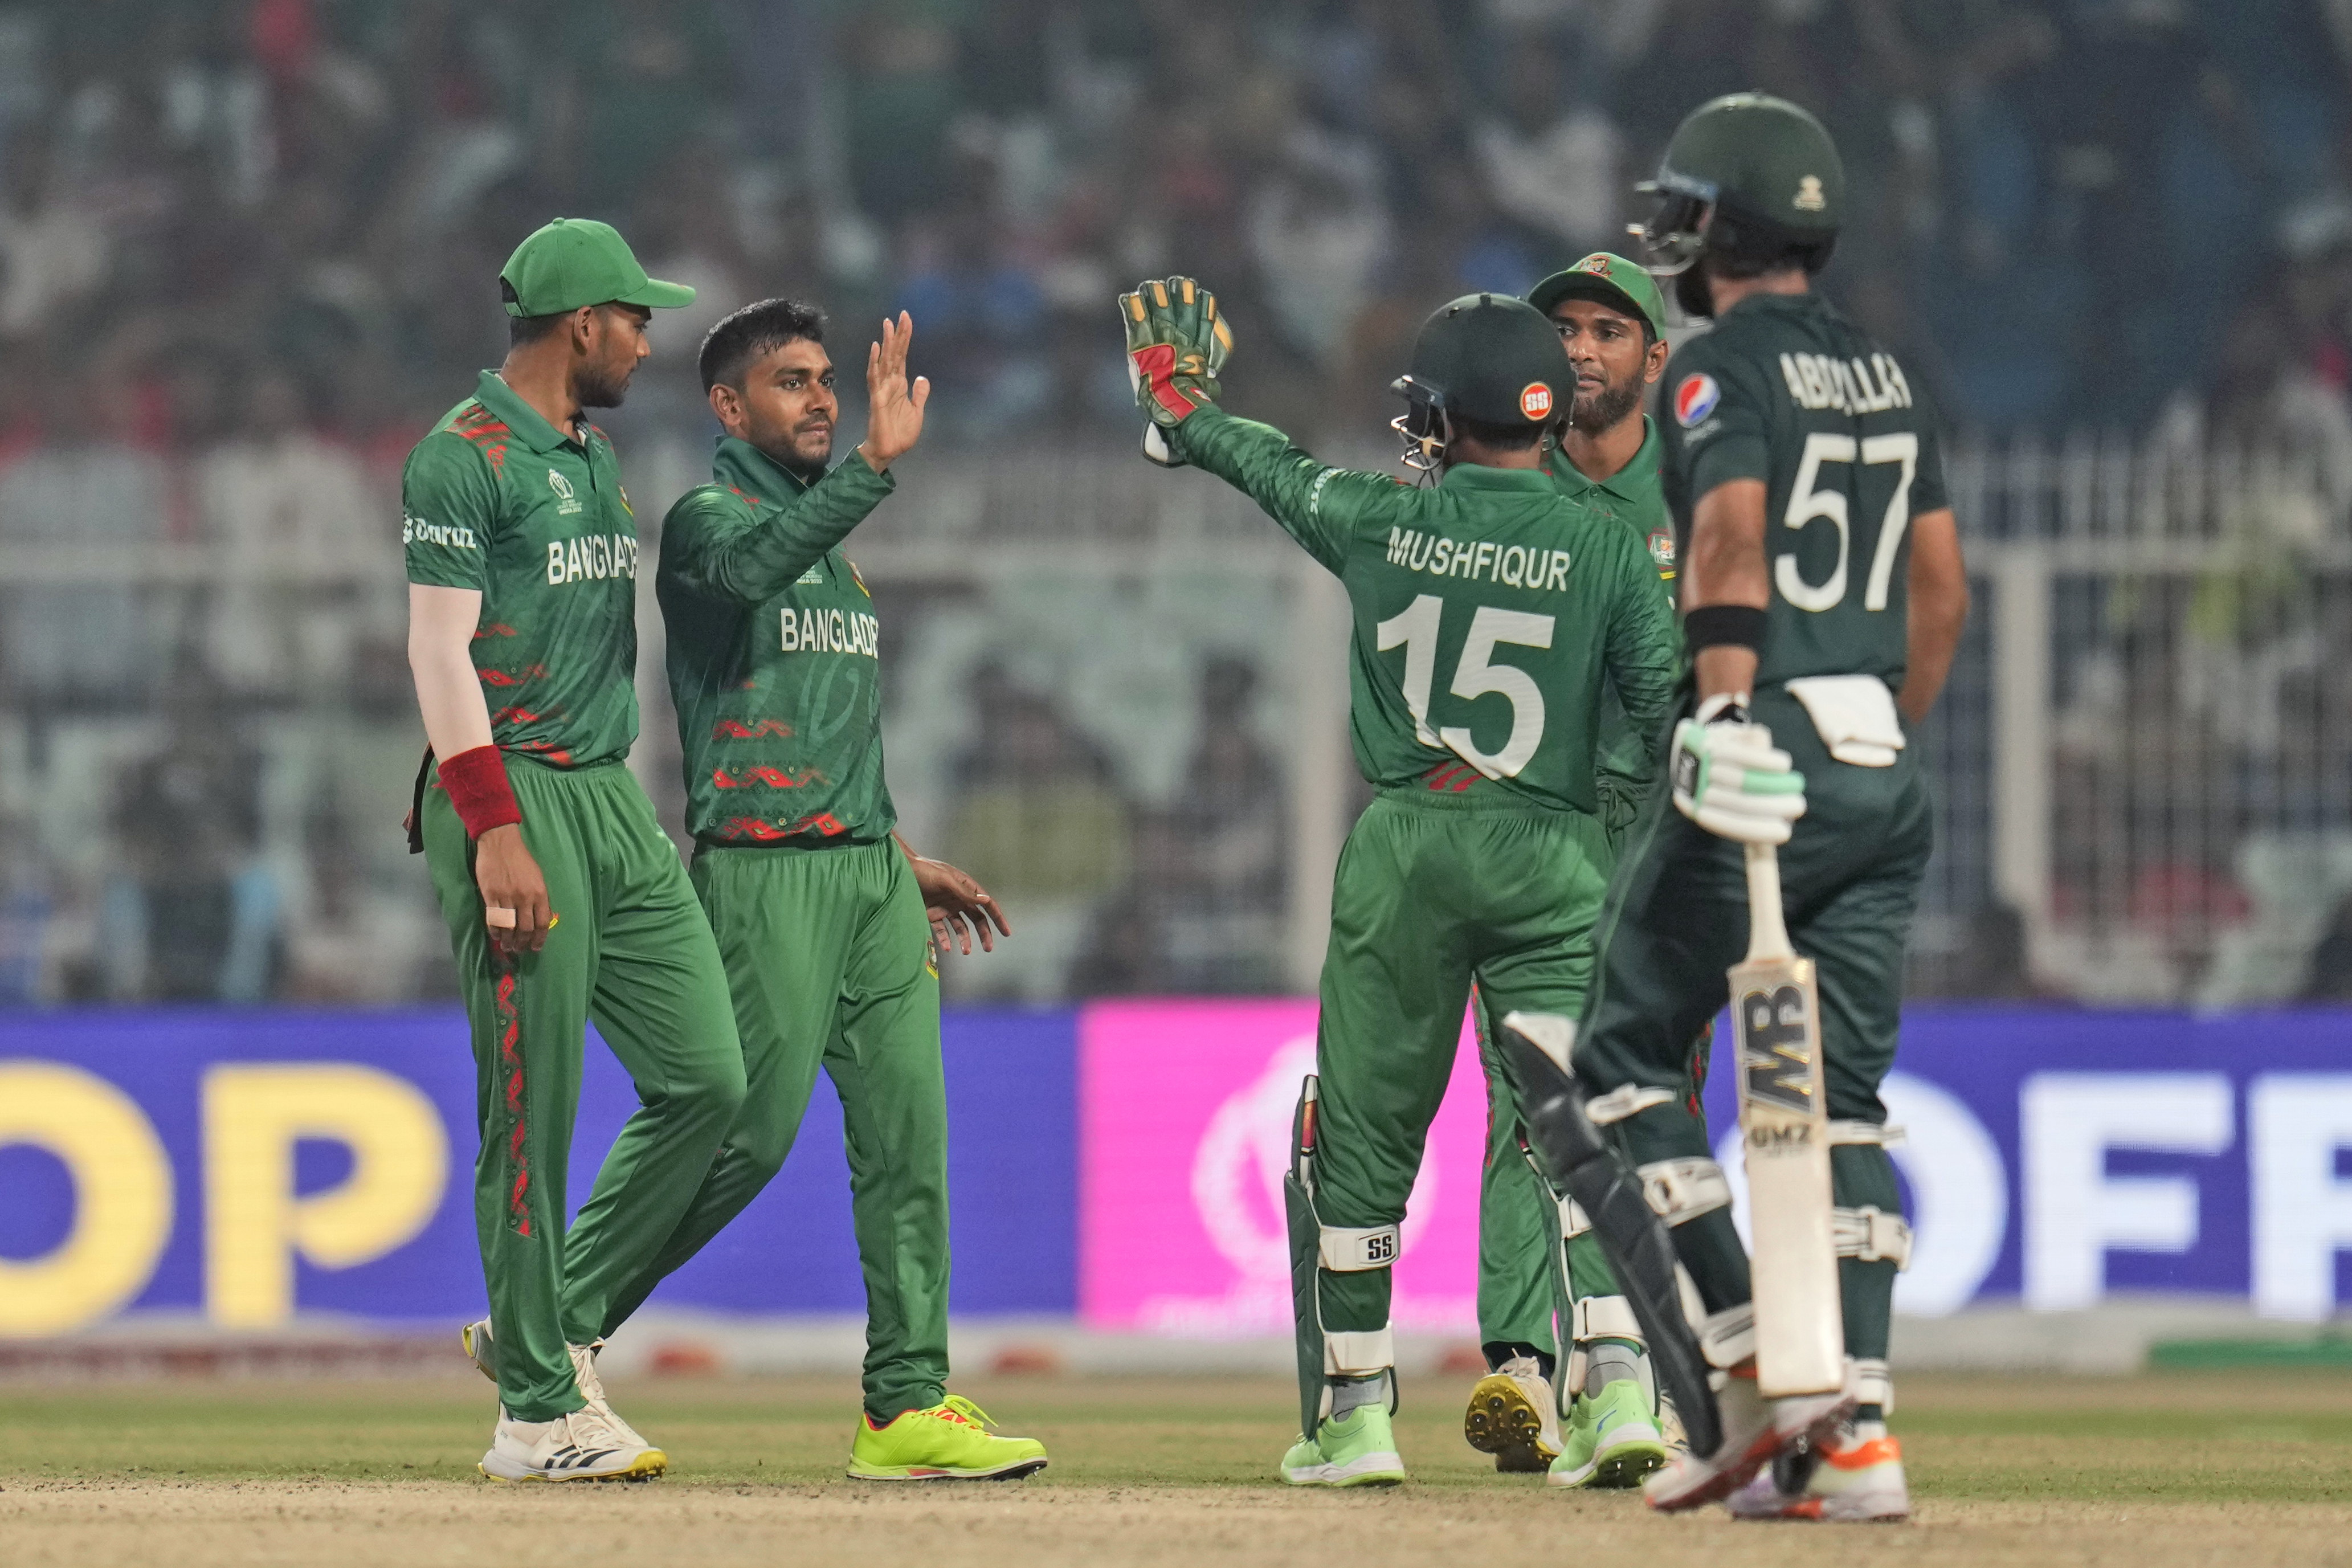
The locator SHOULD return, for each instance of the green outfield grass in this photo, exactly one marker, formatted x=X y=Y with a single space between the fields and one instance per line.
x=2183 y=1436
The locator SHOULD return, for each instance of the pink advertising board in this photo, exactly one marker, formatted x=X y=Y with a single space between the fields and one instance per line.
x=1184 y=1113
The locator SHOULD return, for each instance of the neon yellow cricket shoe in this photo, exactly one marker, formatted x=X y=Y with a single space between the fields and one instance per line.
x=1613 y=1439
x=1358 y=1449
x=951 y=1441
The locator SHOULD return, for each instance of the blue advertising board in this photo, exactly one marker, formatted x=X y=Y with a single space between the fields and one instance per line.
x=252 y=1165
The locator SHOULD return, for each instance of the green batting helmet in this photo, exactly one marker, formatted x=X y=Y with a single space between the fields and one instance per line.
x=1748 y=177
x=1483 y=357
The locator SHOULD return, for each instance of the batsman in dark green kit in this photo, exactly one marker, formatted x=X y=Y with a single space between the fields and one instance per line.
x=825 y=921
x=1822 y=595
x=1489 y=611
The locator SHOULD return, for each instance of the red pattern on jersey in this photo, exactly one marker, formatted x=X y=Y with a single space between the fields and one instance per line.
x=514 y=715
x=496 y=629
x=1450 y=778
x=775 y=778
x=735 y=729
x=502 y=677
x=823 y=823
x=484 y=429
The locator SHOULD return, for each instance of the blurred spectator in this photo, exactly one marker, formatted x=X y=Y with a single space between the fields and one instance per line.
x=190 y=911
x=54 y=249
x=1319 y=232
x=1554 y=165
x=276 y=497
x=90 y=490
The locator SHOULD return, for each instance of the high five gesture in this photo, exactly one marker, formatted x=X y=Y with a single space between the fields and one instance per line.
x=894 y=419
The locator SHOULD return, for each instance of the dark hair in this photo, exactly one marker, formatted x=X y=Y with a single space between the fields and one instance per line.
x=729 y=348
x=1497 y=437
x=521 y=330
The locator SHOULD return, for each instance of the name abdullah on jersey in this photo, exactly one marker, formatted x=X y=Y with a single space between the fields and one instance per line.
x=1848 y=385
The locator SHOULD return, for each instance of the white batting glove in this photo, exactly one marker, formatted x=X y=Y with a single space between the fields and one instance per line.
x=1731 y=780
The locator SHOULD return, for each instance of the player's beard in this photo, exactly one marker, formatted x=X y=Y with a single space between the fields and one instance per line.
x=1603 y=409
x=806 y=466
x=603 y=388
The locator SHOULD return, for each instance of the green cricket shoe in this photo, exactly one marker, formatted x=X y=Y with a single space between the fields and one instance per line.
x=1613 y=1439
x=1358 y=1449
x=951 y=1441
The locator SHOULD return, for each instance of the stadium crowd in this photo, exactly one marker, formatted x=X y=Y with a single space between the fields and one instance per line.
x=248 y=250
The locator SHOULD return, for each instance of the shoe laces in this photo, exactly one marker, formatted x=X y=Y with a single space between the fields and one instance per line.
x=957 y=1408
x=1524 y=1366
x=588 y=1428
x=583 y=1372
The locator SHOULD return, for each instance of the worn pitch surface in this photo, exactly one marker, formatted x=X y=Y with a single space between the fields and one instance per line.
x=2146 y=1472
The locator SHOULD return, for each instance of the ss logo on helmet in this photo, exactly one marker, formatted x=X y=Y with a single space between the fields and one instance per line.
x=1535 y=400
x=1809 y=193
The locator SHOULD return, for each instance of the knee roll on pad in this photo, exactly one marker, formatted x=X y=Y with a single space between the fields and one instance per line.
x=1728 y=1337
x=1872 y=1386
x=1606 y=1318
x=1624 y=1102
x=1352 y=1249
x=1365 y=1354
x=1573 y=1221
x=1679 y=1191
x=1872 y=1236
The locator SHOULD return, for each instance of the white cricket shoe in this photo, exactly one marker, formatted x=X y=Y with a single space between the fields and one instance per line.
x=1754 y=1431
x=580 y=1446
x=476 y=1338
x=1514 y=1417
x=1844 y=1477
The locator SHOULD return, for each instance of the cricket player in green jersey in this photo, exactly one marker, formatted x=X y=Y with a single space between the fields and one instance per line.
x=1545 y=1295
x=1822 y=594
x=819 y=909
x=1489 y=612
x=564 y=898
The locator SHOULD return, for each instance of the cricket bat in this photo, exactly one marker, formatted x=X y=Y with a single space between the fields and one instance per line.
x=1784 y=1133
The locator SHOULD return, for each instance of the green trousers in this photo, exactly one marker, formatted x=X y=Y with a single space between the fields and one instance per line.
x=1677 y=919
x=828 y=954
x=1524 y=1282
x=1434 y=892
x=631 y=951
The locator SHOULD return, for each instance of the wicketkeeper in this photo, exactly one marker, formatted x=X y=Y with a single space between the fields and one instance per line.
x=1488 y=610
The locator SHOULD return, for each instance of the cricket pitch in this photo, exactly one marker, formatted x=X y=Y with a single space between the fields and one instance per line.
x=2190 y=1467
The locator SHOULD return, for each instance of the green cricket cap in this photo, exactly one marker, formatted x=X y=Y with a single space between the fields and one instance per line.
x=1620 y=284
x=577 y=261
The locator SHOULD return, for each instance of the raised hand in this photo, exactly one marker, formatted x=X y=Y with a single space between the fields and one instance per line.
x=1176 y=345
x=894 y=417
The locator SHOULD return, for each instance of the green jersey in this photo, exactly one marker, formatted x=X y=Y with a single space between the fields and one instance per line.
x=1787 y=391
x=1487 y=612
x=498 y=501
x=1631 y=496
x=773 y=650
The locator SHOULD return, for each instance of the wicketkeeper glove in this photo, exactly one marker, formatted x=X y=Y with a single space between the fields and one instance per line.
x=1176 y=345
x=1731 y=780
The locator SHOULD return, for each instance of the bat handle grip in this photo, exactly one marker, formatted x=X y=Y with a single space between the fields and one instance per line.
x=1768 y=929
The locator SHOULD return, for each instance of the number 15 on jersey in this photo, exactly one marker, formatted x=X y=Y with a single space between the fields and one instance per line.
x=1476 y=675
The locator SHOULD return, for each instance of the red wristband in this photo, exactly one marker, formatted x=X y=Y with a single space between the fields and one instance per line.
x=477 y=783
